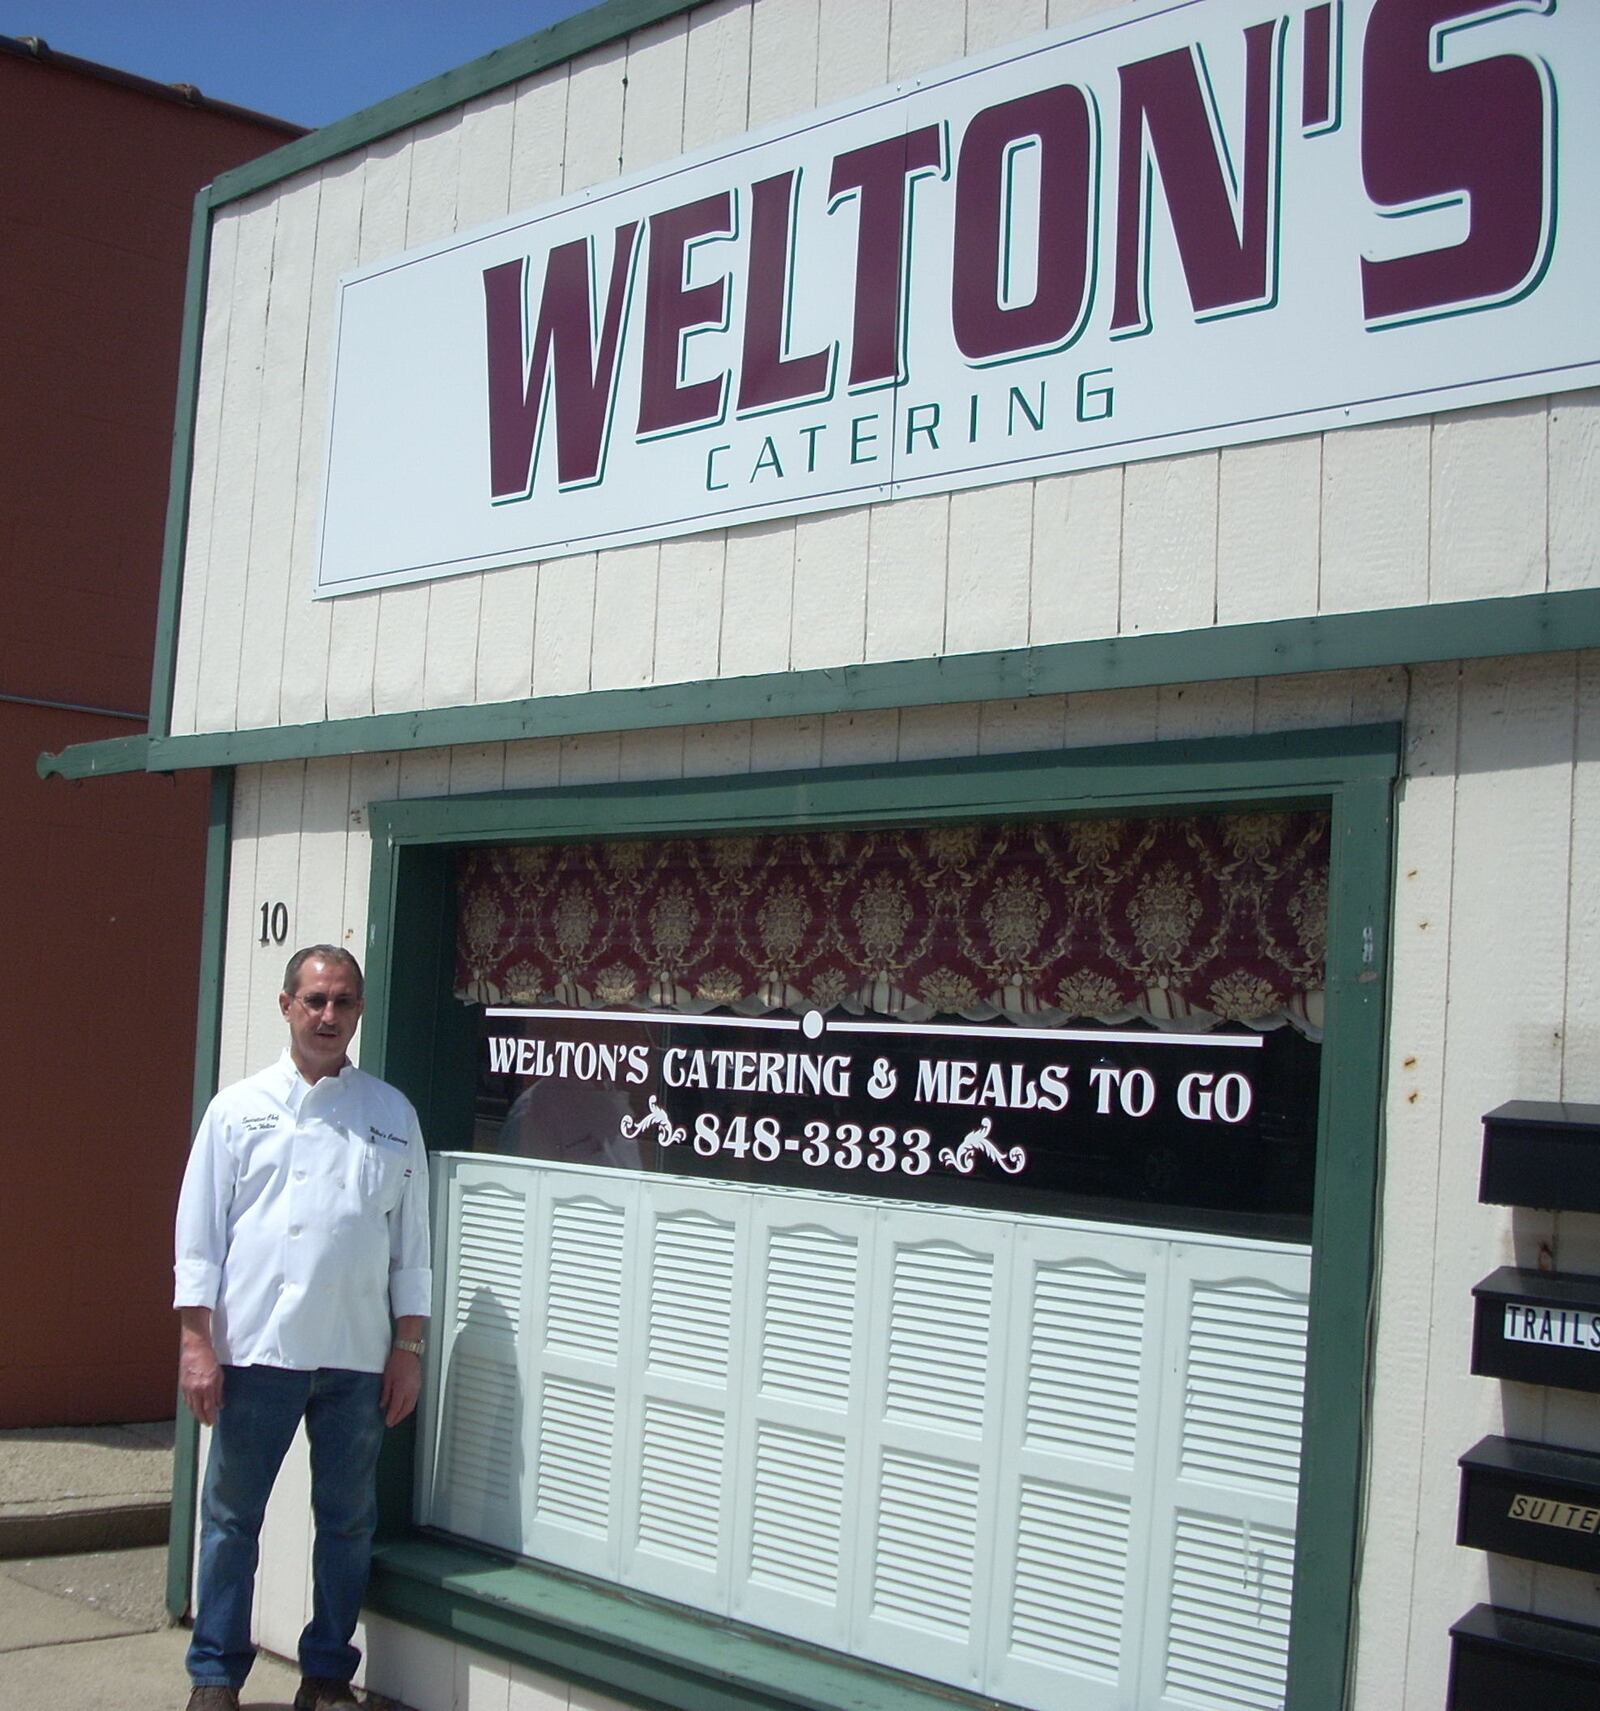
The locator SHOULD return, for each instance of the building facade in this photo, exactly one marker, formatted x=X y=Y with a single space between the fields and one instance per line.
x=953 y=847
x=102 y=169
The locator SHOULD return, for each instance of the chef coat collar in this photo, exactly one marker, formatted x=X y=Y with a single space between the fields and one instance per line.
x=295 y=1087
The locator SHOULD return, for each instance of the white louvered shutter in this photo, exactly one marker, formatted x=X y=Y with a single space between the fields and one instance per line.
x=1053 y=1462
x=476 y=1460
x=939 y=1316
x=682 y=1443
x=1222 y=1560
x=581 y=1352
x=799 y=1481
x=1082 y=1429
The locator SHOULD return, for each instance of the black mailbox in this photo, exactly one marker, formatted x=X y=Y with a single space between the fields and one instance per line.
x=1533 y=1501
x=1542 y=1154
x=1542 y=1327
x=1501 y=1660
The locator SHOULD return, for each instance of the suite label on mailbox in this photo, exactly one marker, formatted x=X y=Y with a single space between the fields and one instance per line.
x=1546 y=1512
x=1535 y=1501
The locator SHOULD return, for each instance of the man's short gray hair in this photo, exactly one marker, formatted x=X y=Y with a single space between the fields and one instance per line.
x=327 y=953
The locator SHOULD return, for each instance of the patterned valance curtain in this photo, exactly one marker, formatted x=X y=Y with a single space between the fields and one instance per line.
x=1182 y=922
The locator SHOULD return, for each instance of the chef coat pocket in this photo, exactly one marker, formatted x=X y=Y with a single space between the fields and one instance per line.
x=383 y=1175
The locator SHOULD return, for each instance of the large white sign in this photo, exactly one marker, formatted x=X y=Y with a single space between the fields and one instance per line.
x=1185 y=224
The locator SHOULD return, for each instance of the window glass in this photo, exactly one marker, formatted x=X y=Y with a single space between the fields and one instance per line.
x=1115 y=1018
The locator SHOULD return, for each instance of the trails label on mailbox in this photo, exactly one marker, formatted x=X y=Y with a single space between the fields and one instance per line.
x=1553 y=1327
x=1119 y=1122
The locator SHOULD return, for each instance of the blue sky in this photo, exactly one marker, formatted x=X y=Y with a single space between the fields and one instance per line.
x=312 y=61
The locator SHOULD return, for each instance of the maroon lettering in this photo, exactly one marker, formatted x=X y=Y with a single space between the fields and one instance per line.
x=1474 y=135
x=564 y=362
x=1316 y=76
x=879 y=175
x=673 y=308
x=1059 y=124
x=766 y=376
x=1227 y=258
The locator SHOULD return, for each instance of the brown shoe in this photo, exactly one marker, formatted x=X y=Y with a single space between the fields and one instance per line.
x=322 y=1693
x=213 y=1699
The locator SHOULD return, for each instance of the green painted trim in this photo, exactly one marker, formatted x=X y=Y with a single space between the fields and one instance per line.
x=1284 y=766
x=97 y=760
x=1344 y=1245
x=1407 y=635
x=657 y=1654
x=676 y=1660
x=414 y=1035
x=567 y=40
x=207 y=1053
x=169 y=597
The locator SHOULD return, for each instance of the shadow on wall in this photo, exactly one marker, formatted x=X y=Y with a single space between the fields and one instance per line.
x=480 y=1428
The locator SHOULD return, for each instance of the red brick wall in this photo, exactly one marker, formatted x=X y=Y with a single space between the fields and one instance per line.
x=102 y=881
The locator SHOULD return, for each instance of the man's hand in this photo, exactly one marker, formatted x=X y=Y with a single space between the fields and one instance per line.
x=199 y=1373
x=402 y=1384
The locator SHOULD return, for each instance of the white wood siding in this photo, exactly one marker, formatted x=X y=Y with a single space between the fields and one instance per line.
x=1492 y=935
x=1495 y=996
x=1491 y=501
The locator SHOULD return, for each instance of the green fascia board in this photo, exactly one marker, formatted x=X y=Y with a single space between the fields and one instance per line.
x=98 y=760
x=1279 y=768
x=1405 y=635
x=169 y=594
x=564 y=41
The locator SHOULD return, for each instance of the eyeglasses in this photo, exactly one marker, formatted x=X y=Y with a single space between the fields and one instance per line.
x=317 y=1002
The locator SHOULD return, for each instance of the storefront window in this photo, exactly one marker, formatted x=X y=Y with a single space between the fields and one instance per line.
x=895 y=1240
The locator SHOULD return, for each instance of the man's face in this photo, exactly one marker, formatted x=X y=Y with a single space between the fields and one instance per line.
x=322 y=1014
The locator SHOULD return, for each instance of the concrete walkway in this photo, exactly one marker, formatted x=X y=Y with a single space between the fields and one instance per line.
x=90 y=1633
x=85 y=1628
x=84 y=1488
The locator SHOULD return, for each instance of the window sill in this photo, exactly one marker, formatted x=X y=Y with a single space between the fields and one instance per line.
x=626 y=1643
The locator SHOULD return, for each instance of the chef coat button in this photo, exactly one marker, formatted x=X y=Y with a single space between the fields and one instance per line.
x=299 y=1176
x=294 y=1229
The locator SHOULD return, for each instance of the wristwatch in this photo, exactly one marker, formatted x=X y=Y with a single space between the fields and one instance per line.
x=410 y=1348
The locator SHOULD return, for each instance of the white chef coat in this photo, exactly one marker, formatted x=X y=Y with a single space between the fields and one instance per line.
x=303 y=1220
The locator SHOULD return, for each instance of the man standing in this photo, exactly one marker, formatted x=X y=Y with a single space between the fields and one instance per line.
x=303 y=1285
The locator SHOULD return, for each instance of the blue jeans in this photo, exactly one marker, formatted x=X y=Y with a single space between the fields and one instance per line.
x=262 y=1406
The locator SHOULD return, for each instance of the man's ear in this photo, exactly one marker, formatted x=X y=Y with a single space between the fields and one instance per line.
x=284 y=1001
